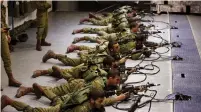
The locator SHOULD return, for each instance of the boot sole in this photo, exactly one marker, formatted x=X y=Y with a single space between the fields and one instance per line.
x=44 y=60
x=3 y=104
x=14 y=84
x=35 y=75
x=19 y=94
x=45 y=44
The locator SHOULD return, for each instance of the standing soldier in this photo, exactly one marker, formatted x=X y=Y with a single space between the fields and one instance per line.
x=5 y=53
x=42 y=24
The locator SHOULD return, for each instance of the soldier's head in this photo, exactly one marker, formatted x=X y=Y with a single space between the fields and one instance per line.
x=2 y=2
x=96 y=98
x=113 y=77
x=147 y=53
x=113 y=46
x=134 y=26
x=109 y=62
x=140 y=39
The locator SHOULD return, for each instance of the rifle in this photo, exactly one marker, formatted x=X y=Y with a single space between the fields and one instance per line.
x=134 y=106
x=128 y=54
x=135 y=89
x=130 y=89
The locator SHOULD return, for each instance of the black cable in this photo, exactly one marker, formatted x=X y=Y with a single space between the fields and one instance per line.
x=137 y=81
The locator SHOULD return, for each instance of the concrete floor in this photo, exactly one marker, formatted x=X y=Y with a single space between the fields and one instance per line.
x=26 y=59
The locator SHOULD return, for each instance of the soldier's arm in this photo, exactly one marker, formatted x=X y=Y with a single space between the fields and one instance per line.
x=80 y=108
x=42 y=5
x=112 y=100
x=109 y=101
x=103 y=73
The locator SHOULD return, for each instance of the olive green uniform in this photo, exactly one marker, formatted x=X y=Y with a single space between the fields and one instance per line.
x=77 y=77
x=105 y=37
x=103 y=16
x=106 y=30
x=5 y=52
x=20 y=106
x=99 y=31
x=104 y=21
x=42 y=19
x=124 y=48
x=84 y=58
x=80 y=71
x=61 y=93
x=113 y=36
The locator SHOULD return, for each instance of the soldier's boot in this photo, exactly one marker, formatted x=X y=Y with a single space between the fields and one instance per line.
x=13 y=82
x=91 y=15
x=11 y=48
x=56 y=72
x=84 y=20
x=38 y=73
x=5 y=101
x=23 y=91
x=44 y=43
x=50 y=54
x=78 y=39
x=77 y=31
x=38 y=45
x=38 y=90
x=72 y=48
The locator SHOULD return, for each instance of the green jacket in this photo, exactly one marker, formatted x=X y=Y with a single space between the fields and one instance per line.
x=84 y=107
x=80 y=95
x=82 y=71
x=42 y=13
x=3 y=17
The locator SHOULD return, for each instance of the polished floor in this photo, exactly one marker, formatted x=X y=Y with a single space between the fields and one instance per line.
x=26 y=59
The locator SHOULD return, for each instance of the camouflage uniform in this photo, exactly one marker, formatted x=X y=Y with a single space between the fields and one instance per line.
x=113 y=36
x=104 y=21
x=106 y=30
x=42 y=19
x=119 y=22
x=84 y=58
x=103 y=16
x=61 y=93
x=97 y=38
x=20 y=106
x=124 y=47
x=80 y=71
x=99 y=31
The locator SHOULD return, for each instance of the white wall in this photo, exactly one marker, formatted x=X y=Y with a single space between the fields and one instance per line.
x=27 y=17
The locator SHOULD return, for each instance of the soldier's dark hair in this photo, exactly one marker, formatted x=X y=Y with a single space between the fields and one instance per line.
x=108 y=61
x=111 y=43
x=133 y=24
x=96 y=93
x=147 y=53
x=113 y=73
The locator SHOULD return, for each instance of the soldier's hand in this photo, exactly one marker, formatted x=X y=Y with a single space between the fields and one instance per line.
x=132 y=70
x=122 y=60
x=9 y=38
x=3 y=30
x=122 y=96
